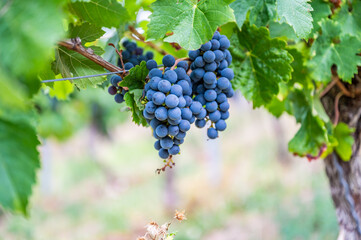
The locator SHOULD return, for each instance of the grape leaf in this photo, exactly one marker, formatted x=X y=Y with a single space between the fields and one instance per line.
x=321 y=10
x=136 y=77
x=296 y=13
x=61 y=90
x=350 y=20
x=102 y=13
x=19 y=160
x=345 y=141
x=192 y=22
x=259 y=12
x=133 y=101
x=329 y=49
x=69 y=63
x=263 y=64
x=313 y=133
x=28 y=30
x=86 y=31
x=277 y=29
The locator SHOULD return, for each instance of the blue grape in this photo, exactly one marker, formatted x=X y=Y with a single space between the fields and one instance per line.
x=164 y=86
x=184 y=125
x=186 y=113
x=219 y=55
x=161 y=131
x=210 y=95
x=184 y=84
x=196 y=107
x=216 y=35
x=207 y=46
x=151 y=64
x=200 y=89
x=188 y=100
x=163 y=153
x=168 y=60
x=174 y=150
x=223 y=83
x=150 y=107
x=215 y=116
x=224 y=106
x=192 y=120
x=230 y=93
x=158 y=98
x=224 y=43
x=211 y=106
x=215 y=44
x=154 y=83
x=171 y=101
x=155 y=135
x=182 y=102
x=183 y=64
x=200 y=123
x=200 y=98
x=224 y=115
x=228 y=57
x=199 y=62
x=174 y=113
x=154 y=123
x=119 y=98
x=180 y=135
x=155 y=72
x=221 y=98
x=198 y=73
x=148 y=115
x=115 y=79
x=178 y=141
x=209 y=78
x=138 y=51
x=149 y=55
x=173 y=130
x=134 y=61
x=161 y=113
x=176 y=90
x=157 y=145
x=193 y=54
x=174 y=122
x=221 y=125
x=171 y=76
x=149 y=94
x=126 y=55
x=210 y=67
x=212 y=133
x=223 y=65
x=128 y=66
x=202 y=114
x=227 y=73
x=112 y=90
x=181 y=73
x=209 y=56
x=166 y=142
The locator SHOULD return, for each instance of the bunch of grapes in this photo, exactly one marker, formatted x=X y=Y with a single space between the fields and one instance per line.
x=212 y=86
x=115 y=90
x=133 y=55
x=168 y=95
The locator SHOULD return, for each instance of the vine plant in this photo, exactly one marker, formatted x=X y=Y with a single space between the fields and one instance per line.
x=294 y=57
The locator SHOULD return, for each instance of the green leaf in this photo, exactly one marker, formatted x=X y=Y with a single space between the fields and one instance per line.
x=69 y=63
x=19 y=160
x=296 y=13
x=192 y=22
x=321 y=10
x=260 y=64
x=133 y=101
x=29 y=30
x=61 y=90
x=350 y=20
x=102 y=13
x=277 y=29
x=313 y=133
x=86 y=32
x=258 y=12
x=136 y=77
x=343 y=134
x=329 y=49
x=300 y=73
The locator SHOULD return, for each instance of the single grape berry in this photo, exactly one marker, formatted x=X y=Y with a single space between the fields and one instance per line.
x=119 y=98
x=212 y=133
x=168 y=60
x=112 y=90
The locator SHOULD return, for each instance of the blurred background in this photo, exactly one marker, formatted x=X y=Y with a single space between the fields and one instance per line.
x=98 y=179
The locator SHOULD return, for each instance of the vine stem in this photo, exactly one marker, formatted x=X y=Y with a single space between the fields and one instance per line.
x=337 y=111
x=142 y=39
x=177 y=61
x=75 y=45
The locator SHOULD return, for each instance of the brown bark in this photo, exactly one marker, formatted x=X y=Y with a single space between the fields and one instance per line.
x=350 y=113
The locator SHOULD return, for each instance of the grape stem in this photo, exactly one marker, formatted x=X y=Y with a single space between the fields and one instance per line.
x=140 y=37
x=337 y=111
x=75 y=45
x=178 y=60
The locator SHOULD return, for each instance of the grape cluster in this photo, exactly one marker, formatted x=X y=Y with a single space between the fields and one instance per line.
x=115 y=90
x=212 y=86
x=168 y=95
x=133 y=55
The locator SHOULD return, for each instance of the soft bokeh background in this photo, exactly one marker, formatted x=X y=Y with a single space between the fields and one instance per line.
x=243 y=185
